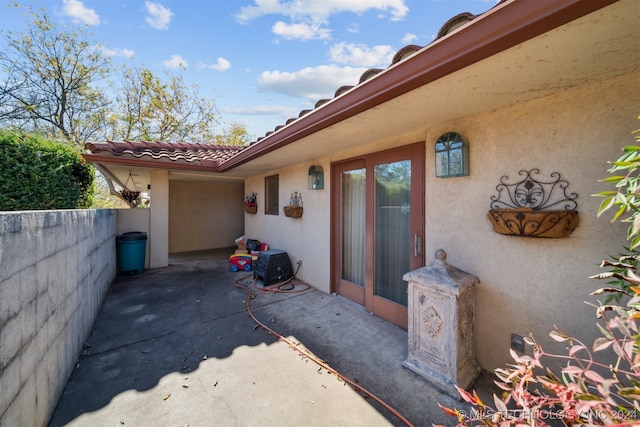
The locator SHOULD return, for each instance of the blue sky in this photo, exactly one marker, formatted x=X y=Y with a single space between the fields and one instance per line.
x=262 y=61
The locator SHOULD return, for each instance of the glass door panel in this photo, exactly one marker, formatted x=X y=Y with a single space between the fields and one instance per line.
x=377 y=219
x=353 y=231
x=392 y=229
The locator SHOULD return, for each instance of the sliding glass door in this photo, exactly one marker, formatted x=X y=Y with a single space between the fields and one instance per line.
x=392 y=227
x=377 y=223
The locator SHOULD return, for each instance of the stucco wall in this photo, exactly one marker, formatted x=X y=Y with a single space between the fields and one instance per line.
x=56 y=267
x=159 y=219
x=305 y=239
x=527 y=285
x=204 y=215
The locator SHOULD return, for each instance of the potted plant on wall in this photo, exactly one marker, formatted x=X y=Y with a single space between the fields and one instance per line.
x=251 y=203
x=294 y=209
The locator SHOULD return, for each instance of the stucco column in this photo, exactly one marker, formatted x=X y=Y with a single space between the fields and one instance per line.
x=159 y=219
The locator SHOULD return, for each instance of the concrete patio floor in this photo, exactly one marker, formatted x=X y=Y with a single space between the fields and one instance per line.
x=176 y=347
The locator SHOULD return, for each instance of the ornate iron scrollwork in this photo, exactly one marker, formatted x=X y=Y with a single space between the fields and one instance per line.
x=528 y=207
x=533 y=193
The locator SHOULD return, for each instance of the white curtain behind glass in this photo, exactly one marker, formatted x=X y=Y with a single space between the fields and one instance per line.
x=353 y=225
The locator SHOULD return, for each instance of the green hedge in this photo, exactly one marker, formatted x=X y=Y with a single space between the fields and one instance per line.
x=36 y=174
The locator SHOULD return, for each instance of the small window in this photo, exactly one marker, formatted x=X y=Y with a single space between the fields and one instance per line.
x=271 y=184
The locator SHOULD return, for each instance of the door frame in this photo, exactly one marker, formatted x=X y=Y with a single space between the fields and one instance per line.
x=393 y=312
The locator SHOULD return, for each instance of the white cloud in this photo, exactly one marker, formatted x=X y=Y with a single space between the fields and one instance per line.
x=312 y=83
x=320 y=9
x=409 y=38
x=220 y=65
x=77 y=10
x=176 y=61
x=127 y=53
x=261 y=7
x=308 y=19
x=301 y=31
x=158 y=16
x=360 y=55
x=353 y=28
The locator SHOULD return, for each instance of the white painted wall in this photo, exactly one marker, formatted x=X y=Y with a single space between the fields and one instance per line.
x=306 y=238
x=158 y=237
x=153 y=221
x=130 y=220
x=527 y=285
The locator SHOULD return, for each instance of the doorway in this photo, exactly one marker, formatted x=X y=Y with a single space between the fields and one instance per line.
x=377 y=228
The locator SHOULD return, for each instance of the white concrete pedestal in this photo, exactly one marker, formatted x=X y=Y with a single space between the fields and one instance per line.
x=441 y=325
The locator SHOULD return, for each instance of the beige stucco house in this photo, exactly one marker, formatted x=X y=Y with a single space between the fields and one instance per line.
x=552 y=85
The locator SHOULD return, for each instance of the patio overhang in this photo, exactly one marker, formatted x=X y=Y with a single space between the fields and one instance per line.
x=187 y=162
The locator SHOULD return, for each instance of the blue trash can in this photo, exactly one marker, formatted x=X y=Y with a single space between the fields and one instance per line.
x=130 y=252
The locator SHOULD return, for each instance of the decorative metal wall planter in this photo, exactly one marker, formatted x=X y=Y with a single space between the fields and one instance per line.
x=294 y=209
x=251 y=203
x=528 y=208
x=530 y=223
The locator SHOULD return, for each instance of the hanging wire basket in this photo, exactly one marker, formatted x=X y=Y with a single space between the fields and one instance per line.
x=130 y=196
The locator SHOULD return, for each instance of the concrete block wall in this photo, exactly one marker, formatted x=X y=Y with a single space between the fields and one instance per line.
x=55 y=270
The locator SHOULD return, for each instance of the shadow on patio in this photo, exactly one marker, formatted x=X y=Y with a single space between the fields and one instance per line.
x=176 y=346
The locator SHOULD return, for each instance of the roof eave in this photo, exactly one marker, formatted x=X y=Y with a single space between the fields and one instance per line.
x=502 y=27
x=151 y=164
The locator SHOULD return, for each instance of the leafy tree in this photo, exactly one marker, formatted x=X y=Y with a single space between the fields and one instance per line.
x=235 y=134
x=51 y=81
x=104 y=196
x=36 y=174
x=149 y=108
x=51 y=84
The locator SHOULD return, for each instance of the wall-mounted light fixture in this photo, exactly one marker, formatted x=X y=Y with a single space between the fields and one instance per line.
x=316 y=178
x=452 y=156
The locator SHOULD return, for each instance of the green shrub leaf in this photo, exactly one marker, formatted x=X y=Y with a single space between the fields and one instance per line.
x=42 y=174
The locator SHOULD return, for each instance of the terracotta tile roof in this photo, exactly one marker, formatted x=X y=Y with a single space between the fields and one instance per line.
x=206 y=155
